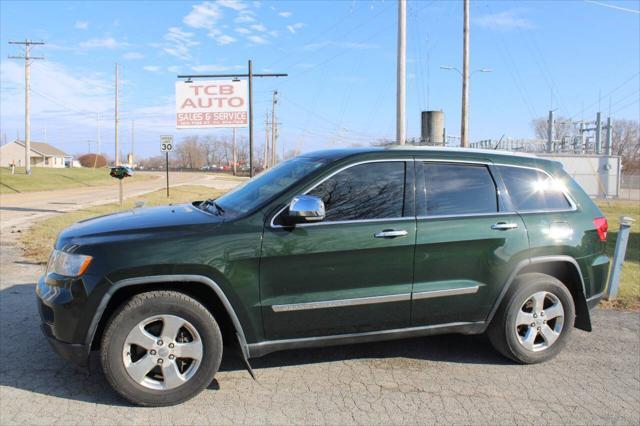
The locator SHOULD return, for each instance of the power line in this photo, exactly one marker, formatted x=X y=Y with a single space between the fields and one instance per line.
x=610 y=92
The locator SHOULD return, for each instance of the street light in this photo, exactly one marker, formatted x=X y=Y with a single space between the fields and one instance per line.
x=465 y=106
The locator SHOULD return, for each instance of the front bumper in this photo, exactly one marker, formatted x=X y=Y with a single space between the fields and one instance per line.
x=58 y=305
x=74 y=352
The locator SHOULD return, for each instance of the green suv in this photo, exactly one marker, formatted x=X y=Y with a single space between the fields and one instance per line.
x=332 y=247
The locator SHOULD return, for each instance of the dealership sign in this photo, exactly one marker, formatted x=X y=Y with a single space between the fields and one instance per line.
x=211 y=104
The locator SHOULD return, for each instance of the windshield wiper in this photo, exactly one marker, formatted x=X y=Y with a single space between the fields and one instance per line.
x=211 y=202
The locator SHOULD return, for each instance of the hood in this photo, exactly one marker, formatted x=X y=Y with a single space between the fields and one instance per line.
x=139 y=220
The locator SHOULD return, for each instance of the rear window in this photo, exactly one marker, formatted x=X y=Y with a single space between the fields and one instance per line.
x=532 y=190
x=456 y=189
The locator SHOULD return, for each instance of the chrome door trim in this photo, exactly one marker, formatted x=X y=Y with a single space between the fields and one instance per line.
x=341 y=303
x=312 y=187
x=446 y=292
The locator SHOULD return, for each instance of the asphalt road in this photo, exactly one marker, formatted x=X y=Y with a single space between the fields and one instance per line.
x=443 y=379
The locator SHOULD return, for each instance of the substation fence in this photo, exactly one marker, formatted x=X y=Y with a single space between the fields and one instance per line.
x=630 y=187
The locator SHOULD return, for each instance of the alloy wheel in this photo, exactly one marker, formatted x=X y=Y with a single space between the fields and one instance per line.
x=162 y=352
x=539 y=321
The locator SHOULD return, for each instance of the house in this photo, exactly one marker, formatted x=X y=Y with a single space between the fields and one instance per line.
x=42 y=155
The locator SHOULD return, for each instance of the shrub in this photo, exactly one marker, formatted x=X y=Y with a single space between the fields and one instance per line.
x=91 y=160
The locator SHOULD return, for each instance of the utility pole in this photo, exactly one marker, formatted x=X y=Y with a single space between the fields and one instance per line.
x=464 y=120
x=550 y=124
x=27 y=88
x=95 y=160
x=598 y=133
x=265 y=159
x=401 y=135
x=234 y=154
x=250 y=75
x=132 y=130
x=609 y=148
x=116 y=139
x=274 y=129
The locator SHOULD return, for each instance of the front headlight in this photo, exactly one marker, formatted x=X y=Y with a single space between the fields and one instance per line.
x=68 y=264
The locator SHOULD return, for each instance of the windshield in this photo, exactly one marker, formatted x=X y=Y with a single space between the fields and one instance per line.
x=262 y=187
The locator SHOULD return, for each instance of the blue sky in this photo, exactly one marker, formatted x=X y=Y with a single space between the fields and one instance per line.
x=341 y=60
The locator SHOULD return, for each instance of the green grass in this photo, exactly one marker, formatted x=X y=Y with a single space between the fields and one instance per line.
x=46 y=179
x=629 y=293
x=37 y=241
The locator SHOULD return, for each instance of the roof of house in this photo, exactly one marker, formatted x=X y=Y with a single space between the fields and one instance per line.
x=44 y=149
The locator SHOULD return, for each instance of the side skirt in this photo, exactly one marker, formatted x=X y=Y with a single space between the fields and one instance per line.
x=257 y=350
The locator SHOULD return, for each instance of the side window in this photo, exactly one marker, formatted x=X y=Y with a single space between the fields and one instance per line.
x=455 y=189
x=365 y=191
x=533 y=190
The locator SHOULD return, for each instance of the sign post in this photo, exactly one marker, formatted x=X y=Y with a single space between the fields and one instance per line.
x=166 y=146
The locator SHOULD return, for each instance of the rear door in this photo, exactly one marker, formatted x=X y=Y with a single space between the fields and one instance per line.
x=467 y=242
x=352 y=272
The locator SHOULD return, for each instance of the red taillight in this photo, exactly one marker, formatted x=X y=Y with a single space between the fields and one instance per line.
x=602 y=227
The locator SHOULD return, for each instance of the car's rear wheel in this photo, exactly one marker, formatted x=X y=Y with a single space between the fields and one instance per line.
x=161 y=348
x=535 y=319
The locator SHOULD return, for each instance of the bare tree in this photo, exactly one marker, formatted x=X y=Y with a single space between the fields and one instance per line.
x=626 y=144
x=189 y=153
x=562 y=128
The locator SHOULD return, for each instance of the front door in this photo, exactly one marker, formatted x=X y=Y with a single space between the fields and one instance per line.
x=351 y=272
x=467 y=244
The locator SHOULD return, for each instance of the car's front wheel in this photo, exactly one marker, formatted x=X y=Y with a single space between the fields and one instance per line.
x=535 y=319
x=161 y=348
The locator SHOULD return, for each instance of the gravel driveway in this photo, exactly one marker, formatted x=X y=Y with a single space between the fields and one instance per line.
x=443 y=379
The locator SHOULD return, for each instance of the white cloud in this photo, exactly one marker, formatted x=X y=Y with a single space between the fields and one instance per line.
x=223 y=39
x=503 y=21
x=179 y=43
x=342 y=45
x=81 y=25
x=215 y=68
x=285 y=14
x=257 y=39
x=233 y=4
x=132 y=55
x=56 y=89
x=242 y=30
x=293 y=28
x=203 y=15
x=259 y=27
x=174 y=69
x=151 y=68
x=103 y=43
x=243 y=19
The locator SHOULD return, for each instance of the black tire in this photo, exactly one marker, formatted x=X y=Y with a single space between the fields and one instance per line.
x=147 y=305
x=506 y=336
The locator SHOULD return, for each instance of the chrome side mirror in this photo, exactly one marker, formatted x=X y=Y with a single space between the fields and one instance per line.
x=306 y=208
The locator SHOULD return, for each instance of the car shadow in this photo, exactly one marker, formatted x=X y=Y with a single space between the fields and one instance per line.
x=451 y=348
x=36 y=368
x=29 y=209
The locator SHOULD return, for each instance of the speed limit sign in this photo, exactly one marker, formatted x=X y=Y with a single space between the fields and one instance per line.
x=166 y=143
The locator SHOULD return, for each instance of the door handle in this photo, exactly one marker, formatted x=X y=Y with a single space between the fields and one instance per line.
x=503 y=226
x=390 y=233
